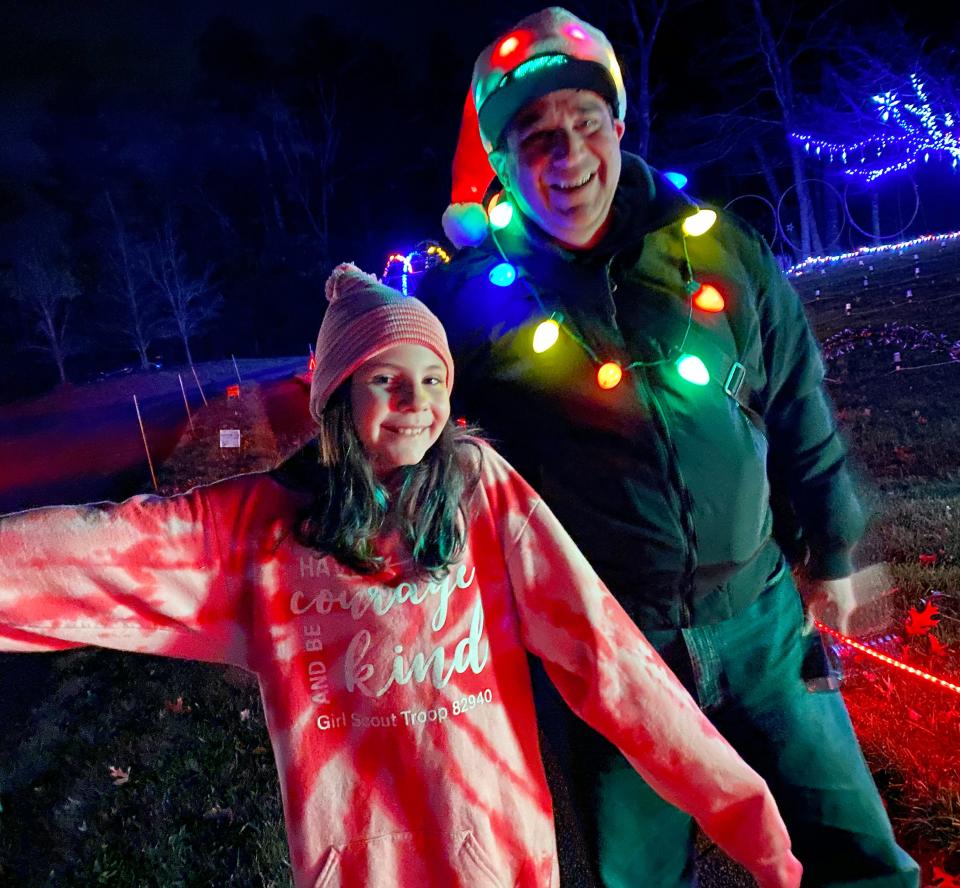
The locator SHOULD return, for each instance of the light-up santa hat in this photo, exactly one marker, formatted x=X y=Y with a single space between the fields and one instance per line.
x=549 y=50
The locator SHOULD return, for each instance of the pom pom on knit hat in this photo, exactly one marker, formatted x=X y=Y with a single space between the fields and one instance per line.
x=364 y=318
x=465 y=220
x=549 y=50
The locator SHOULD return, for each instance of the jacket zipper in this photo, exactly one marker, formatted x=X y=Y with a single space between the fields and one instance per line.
x=676 y=488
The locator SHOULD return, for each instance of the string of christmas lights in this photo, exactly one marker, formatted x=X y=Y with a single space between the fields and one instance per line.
x=818 y=261
x=609 y=374
x=923 y=133
x=418 y=260
x=889 y=661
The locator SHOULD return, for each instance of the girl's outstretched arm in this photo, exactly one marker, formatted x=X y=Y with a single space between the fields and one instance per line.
x=612 y=678
x=144 y=575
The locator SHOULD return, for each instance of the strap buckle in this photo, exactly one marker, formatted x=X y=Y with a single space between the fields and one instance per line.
x=735 y=379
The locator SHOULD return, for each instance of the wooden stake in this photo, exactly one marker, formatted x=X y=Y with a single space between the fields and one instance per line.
x=186 y=403
x=197 y=380
x=143 y=434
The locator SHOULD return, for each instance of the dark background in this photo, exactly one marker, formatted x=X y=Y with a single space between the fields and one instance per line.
x=276 y=139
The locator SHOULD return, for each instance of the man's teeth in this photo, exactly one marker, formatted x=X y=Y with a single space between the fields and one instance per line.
x=571 y=185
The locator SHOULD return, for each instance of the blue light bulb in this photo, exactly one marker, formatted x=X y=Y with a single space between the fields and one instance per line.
x=503 y=275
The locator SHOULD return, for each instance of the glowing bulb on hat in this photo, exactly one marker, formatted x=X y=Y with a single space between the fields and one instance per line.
x=508 y=46
x=609 y=375
x=546 y=334
x=699 y=223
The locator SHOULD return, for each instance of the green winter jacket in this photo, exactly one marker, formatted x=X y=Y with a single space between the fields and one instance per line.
x=665 y=485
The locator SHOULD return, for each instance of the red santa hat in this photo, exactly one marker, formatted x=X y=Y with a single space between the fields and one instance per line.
x=549 y=50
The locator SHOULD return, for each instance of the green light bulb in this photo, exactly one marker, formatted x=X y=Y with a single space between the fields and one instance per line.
x=692 y=369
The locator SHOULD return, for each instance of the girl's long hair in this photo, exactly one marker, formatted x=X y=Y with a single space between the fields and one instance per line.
x=350 y=507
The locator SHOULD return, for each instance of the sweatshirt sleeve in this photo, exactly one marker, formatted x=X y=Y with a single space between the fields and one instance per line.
x=614 y=680
x=806 y=450
x=144 y=575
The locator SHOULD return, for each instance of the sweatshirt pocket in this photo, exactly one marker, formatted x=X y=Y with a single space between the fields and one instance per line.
x=409 y=859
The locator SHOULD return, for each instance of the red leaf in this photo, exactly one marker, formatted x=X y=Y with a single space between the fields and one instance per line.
x=176 y=707
x=937 y=647
x=943 y=879
x=119 y=775
x=920 y=622
x=928 y=560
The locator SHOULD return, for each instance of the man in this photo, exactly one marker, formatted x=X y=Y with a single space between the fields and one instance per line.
x=683 y=370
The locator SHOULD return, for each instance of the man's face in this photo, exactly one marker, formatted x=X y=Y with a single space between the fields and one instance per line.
x=561 y=162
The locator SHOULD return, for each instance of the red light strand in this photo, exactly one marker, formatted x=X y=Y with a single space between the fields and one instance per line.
x=883 y=658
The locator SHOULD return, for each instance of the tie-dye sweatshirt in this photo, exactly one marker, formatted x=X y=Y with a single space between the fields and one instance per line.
x=399 y=707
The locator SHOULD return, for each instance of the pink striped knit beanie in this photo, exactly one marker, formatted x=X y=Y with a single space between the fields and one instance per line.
x=364 y=318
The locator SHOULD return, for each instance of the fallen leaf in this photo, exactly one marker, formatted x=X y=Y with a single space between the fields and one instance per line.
x=244 y=715
x=920 y=622
x=119 y=775
x=943 y=879
x=937 y=647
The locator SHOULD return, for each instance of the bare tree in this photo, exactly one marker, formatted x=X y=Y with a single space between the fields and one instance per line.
x=142 y=319
x=302 y=158
x=780 y=55
x=646 y=16
x=192 y=301
x=45 y=289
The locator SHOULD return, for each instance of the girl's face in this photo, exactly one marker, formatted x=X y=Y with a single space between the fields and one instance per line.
x=400 y=405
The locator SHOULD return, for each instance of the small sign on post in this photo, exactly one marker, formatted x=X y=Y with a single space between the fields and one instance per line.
x=233 y=391
x=229 y=438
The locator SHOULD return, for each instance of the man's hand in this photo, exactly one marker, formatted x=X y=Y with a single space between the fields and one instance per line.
x=831 y=602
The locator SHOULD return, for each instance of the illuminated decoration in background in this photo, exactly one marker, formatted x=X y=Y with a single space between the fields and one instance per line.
x=708 y=299
x=692 y=369
x=609 y=375
x=678 y=180
x=502 y=275
x=818 y=261
x=401 y=268
x=699 y=223
x=911 y=132
x=546 y=334
x=883 y=658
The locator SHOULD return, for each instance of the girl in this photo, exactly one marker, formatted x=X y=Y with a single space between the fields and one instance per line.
x=386 y=599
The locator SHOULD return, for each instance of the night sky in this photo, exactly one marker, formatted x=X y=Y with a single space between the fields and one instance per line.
x=172 y=111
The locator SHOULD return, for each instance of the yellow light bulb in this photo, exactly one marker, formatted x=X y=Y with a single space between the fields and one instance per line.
x=699 y=223
x=546 y=335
